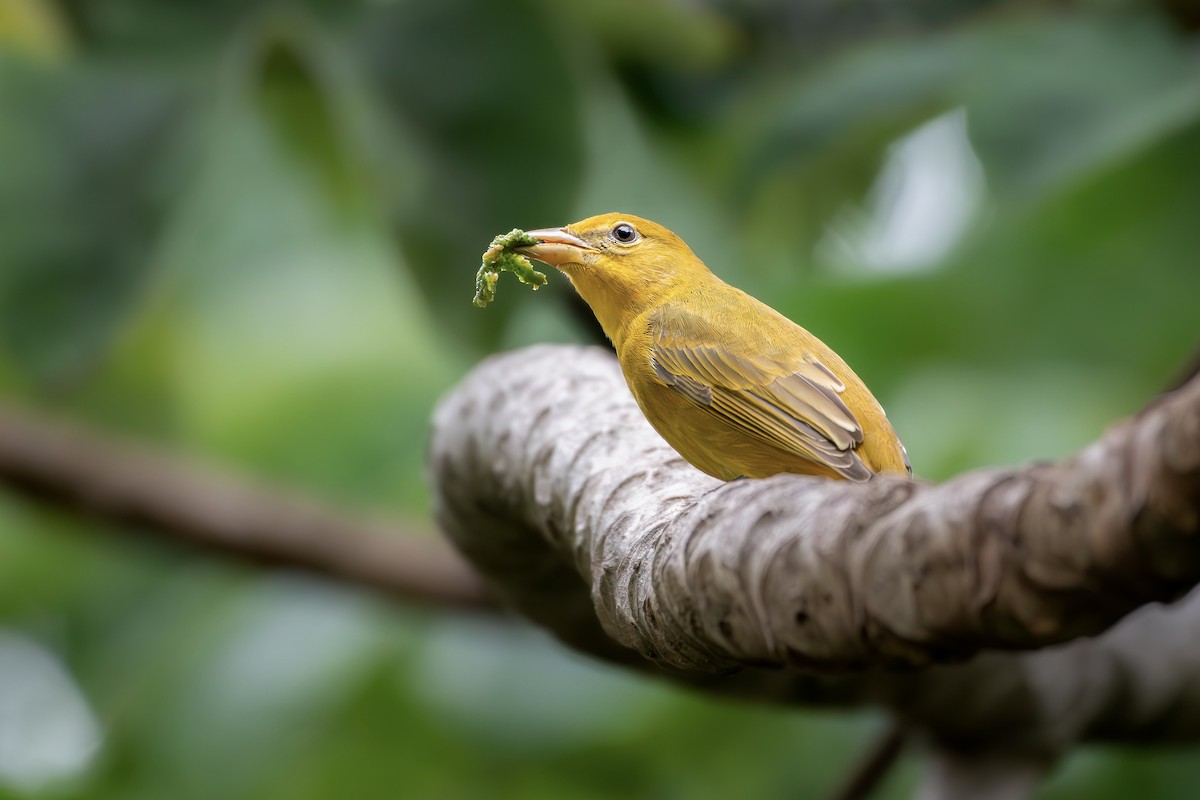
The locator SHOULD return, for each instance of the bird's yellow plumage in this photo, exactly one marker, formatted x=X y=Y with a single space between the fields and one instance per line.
x=734 y=386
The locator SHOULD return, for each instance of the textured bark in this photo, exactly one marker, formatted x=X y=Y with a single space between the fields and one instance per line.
x=892 y=592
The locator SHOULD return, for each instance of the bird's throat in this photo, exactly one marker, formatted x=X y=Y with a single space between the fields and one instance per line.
x=614 y=303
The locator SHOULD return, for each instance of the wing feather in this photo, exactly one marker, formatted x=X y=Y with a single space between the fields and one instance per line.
x=794 y=404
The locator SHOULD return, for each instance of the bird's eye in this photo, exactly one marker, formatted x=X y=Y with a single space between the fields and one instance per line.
x=624 y=233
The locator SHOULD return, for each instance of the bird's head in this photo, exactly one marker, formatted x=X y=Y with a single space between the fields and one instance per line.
x=617 y=261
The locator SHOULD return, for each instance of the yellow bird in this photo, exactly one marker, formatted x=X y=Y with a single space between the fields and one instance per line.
x=738 y=389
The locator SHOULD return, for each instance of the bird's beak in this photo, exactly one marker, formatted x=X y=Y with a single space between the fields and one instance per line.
x=556 y=247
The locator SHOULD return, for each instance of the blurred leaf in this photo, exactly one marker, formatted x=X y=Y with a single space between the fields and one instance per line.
x=657 y=33
x=301 y=97
x=49 y=732
x=821 y=27
x=167 y=32
x=283 y=305
x=87 y=155
x=1049 y=99
x=1053 y=100
x=629 y=170
x=489 y=94
x=957 y=418
x=32 y=28
x=1116 y=773
x=287 y=653
x=503 y=687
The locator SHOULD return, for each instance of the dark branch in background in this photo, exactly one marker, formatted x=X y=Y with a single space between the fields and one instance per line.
x=873 y=766
x=132 y=487
x=552 y=483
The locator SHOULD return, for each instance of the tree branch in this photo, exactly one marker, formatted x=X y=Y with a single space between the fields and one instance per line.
x=116 y=482
x=553 y=484
x=791 y=570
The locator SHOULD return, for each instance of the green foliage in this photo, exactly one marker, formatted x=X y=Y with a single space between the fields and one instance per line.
x=247 y=232
x=86 y=155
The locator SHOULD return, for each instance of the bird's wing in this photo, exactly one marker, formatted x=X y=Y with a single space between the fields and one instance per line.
x=792 y=404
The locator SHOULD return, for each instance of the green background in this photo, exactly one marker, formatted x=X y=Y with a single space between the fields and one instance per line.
x=249 y=235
